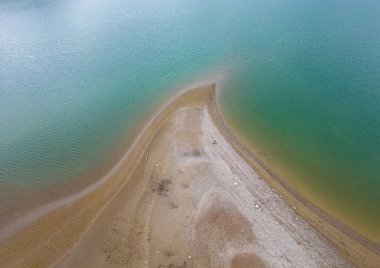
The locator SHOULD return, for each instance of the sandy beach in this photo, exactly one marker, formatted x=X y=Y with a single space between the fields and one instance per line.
x=186 y=194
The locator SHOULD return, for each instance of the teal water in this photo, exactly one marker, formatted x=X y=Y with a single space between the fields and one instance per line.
x=301 y=84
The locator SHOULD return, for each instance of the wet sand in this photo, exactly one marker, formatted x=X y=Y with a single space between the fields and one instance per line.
x=185 y=195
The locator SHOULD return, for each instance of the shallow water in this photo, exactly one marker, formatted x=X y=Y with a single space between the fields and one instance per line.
x=300 y=81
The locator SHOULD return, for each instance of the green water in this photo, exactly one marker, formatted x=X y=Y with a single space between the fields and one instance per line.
x=299 y=79
x=309 y=103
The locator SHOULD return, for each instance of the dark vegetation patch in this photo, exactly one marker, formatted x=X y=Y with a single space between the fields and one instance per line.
x=163 y=187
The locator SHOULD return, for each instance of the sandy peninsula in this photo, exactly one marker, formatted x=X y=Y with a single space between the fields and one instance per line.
x=186 y=194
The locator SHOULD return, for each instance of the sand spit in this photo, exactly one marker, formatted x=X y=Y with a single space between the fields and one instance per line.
x=194 y=202
x=184 y=197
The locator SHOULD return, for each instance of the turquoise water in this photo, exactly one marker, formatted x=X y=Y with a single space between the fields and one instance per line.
x=301 y=81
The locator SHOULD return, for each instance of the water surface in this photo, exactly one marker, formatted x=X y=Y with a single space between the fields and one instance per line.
x=301 y=85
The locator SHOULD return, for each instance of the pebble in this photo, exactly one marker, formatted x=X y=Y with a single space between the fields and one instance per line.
x=258 y=206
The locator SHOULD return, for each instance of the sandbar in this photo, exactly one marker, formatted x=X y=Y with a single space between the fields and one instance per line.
x=186 y=194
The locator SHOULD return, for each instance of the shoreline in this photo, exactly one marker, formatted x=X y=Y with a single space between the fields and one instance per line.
x=68 y=220
x=363 y=249
x=60 y=211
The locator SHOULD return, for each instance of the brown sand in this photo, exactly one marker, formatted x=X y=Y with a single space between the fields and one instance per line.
x=184 y=197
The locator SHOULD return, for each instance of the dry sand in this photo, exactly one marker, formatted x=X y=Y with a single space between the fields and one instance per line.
x=185 y=196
